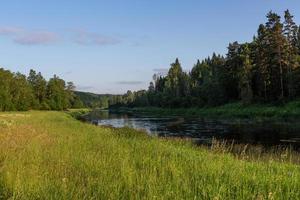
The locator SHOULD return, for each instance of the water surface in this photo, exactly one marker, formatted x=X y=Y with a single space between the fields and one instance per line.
x=268 y=133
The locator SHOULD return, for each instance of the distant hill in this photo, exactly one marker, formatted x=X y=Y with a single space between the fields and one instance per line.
x=93 y=100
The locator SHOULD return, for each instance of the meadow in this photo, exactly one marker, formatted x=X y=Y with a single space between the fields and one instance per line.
x=51 y=155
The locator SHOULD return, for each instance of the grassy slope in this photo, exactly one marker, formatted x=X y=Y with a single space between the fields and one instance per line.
x=49 y=155
x=234 y=110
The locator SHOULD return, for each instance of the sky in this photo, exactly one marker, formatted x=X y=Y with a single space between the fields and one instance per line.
x=111 y=46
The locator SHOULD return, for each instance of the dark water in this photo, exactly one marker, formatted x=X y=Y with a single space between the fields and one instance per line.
x=203 y=130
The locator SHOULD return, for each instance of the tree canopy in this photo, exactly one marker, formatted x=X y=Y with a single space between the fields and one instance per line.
x=18 y=92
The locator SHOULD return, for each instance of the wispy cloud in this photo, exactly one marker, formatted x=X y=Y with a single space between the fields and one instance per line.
x=84 y=37
x=37 y=38
x=130 y=82
x=28 y=37
x=7 y=30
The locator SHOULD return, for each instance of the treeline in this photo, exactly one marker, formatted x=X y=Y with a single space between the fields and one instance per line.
x=21 y=92
x=266 y=70
x=92 y=100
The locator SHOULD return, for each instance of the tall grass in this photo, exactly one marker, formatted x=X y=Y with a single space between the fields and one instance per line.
x=50 y=155
x=285 y=154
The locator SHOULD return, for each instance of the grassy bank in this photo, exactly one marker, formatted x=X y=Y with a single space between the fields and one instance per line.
x=50 y=155
x=234 y=110
x=78 y=113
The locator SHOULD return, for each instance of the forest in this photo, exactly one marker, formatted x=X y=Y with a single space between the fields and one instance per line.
x=92 y=100
x=21 y=92
x=265 y=70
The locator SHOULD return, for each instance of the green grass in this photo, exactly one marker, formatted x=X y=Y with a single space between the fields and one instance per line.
x=50 y=155
x=78 y=113
x=234 y=110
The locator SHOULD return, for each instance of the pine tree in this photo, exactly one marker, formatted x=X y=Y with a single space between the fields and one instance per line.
x=290 y=29
x=173 y=79
x=261 y=69
x=245 y=75
x=199 y=75
x=196 y=75
x=298 y=40
x=290 y=32
x=233 y=67
x=277 y=57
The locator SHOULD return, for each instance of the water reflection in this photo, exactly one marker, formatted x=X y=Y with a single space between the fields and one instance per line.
x=244 y=131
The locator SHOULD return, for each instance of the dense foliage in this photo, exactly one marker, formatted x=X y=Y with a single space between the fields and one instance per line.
x=92 y=100
x=18 y=92
x=265 y=70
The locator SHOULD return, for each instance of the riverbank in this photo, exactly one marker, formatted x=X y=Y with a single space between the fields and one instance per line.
x=289 y=111
x=50 y=155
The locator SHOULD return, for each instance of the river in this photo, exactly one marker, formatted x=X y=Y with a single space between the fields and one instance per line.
x=267 y=133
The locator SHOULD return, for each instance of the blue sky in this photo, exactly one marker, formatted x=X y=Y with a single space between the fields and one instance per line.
x=115 y=45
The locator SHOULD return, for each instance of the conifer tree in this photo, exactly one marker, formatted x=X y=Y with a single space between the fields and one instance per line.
x=298 y=40
x=174 y=78
x=277 y=57
x=290 y=32
x=233 y=67
x=245 y=74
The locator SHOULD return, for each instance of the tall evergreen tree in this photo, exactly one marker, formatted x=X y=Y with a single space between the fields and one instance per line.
x=245 y=74
x=233 y=67
x=290 y=28
x=277 y=57
x=173 y=79
x=290 y=31
x=261 y=69
x=298 y=40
